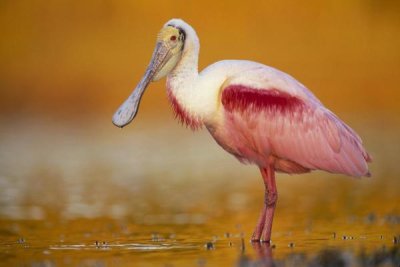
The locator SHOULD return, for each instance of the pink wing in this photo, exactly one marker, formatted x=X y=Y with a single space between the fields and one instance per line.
x=298 y=132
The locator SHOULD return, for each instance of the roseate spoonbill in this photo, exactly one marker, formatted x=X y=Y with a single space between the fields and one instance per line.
x=257 y=113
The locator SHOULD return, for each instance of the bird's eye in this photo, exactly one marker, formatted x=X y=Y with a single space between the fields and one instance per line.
x=173 y=38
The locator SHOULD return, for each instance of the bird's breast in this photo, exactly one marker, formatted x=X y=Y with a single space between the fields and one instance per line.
x=181 y=113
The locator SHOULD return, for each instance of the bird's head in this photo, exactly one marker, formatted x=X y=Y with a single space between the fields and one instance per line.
x=168 y=51
x=171 y=42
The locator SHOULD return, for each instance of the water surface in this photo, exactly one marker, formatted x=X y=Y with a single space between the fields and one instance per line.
x=89 y=194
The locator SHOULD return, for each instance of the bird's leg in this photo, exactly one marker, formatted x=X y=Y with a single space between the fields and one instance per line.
x=260 y=225
x=264 y=225
x=271 y=196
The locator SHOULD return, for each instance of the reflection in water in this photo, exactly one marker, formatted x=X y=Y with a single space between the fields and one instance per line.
x=324 y=258
x=263 y=256
x=263 y=250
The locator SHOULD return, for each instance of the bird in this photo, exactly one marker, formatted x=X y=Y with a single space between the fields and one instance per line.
x=257 y=113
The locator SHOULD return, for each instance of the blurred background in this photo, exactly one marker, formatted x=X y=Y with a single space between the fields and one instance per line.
x=75 y=59
x=66 y=66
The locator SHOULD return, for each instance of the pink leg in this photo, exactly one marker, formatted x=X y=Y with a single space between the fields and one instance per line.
x=264 y=225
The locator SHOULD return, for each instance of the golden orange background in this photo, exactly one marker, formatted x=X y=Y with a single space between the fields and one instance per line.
x=84 y=57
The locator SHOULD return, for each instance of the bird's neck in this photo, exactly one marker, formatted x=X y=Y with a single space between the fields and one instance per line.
x=187 y=68
x=181 y=88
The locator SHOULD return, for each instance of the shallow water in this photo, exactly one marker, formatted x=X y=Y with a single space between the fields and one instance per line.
x=88 y=194
x=102 y=242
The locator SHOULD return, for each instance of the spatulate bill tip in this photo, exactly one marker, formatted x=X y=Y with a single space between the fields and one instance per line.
x=118 y=125
x=121 y=119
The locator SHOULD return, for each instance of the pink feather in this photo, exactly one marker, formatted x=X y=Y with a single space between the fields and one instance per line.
x=264 y=125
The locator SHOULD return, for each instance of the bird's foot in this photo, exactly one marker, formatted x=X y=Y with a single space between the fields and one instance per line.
x=260 y=240
x=255 y=239
x=258 y=237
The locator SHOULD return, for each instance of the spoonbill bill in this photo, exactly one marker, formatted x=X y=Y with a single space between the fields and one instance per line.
x=257 y=113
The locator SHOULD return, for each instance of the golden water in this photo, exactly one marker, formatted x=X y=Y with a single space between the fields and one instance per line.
x=89 y=194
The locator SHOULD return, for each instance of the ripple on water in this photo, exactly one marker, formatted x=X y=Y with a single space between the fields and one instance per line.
x=127 y=246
